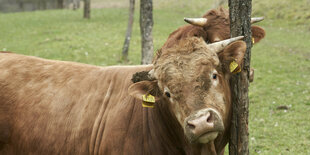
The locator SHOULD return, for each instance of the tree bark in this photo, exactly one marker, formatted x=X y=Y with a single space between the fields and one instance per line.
x=146 y=26
x=129 y=30
x=87 y=9
x=240 y=24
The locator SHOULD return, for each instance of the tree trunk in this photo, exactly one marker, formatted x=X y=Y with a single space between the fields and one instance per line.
x=129 y=30
x=60 y=4
x=146 y=25
x=76 y=4
x=21 y=5
x=87 y=9
x=240 y=24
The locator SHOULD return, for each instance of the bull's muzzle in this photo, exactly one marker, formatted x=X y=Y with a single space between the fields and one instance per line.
x=203 y=126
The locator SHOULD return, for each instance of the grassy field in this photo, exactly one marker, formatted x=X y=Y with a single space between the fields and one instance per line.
x=281 y=60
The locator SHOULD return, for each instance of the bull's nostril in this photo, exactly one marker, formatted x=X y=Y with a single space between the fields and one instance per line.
x=210 y=118
x=190 y=126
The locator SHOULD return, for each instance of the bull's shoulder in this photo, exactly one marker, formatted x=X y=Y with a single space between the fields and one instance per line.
x=19 y=72
x=7 y=59
x=23 y=61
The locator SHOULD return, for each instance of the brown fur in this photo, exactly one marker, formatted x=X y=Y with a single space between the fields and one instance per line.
x=50 y=107
x=226 y=56
x=258 y=33
x=217 y=25
x=192 y=60
x=184 y=32
x=55 y=107
x=185 y=69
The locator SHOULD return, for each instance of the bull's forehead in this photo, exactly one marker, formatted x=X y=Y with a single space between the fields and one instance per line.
x=179 y=71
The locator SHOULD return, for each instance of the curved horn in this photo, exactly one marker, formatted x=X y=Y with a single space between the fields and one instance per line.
x=196 y=21
x=219 y=46
x=256 y=19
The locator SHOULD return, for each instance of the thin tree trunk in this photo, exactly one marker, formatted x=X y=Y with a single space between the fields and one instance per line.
x=146 y=26
x=60 y=4
x=87 y=9
x=76 y=4
x=240 y=24
x=129 y=30
x=21 y=5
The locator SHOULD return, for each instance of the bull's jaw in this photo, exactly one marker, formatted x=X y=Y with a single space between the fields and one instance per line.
x=208 y=137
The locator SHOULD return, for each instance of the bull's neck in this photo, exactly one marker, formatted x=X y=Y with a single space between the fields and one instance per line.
x=161 y=130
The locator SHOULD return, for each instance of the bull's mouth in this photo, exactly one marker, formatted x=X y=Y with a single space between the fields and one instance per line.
x=204 y=138
x=207 y=137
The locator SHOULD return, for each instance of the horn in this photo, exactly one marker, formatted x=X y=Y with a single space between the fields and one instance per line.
x=219 y=46
x=196 y=21
x=151 y=75
x=256 y=19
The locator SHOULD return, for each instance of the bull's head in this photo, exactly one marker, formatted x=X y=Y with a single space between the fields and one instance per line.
x=216 y=25
x=193 y=79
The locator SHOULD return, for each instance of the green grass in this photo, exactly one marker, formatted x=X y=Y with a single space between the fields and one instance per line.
x=282 y=77
x=281 y=60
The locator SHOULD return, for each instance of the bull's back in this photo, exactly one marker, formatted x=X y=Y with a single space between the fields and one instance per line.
x=54 y=107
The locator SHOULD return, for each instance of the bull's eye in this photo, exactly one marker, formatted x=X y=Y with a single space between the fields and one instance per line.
x=167 y=94
x=214 y=76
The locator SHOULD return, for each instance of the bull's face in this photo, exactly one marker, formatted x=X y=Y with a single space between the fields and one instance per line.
x=193 y=83
x=193 y=79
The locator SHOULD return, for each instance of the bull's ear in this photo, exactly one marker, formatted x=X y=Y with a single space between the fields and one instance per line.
x=137 y=90
x=232 y=56
x=258 y=33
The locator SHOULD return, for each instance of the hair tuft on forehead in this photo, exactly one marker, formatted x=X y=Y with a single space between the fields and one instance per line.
x=219 y=12
x=184 y=47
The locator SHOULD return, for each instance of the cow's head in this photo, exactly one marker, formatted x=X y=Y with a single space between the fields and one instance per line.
x=193 y=79
x=216 y=24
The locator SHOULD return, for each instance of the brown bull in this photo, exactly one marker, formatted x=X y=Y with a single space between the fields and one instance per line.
x=214 y=26
x=56 y=107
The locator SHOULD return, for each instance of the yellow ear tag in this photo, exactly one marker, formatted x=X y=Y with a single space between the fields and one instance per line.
x=148 y=101
x=253 y=40
x=233 y=65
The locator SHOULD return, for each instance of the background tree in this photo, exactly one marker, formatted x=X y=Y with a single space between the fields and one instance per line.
x=146 y=26
x=240 y=24
x=60 y=4
x=76 y=4
x=87 y=9
x=129 y=30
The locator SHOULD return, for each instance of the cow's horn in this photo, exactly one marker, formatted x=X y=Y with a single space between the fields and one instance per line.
x=256 y=19
x=196 y=21
x=219 y=46
x=151 y=75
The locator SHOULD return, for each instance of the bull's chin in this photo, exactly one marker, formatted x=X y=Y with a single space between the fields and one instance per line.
x=207 y=137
